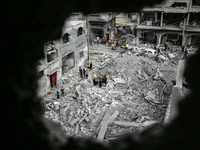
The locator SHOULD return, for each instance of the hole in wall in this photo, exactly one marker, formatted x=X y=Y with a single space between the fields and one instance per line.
x=88 y=110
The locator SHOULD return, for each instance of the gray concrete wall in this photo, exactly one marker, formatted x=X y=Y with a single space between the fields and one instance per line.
x=75 y=45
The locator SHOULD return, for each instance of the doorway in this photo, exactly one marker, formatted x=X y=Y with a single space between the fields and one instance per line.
x=53 y=79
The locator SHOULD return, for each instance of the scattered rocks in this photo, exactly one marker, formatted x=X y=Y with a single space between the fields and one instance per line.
x=132 y=92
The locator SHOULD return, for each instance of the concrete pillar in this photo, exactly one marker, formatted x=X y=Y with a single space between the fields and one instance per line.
x=156 y=16
x=188 y=18
x=161 y=19
x=138 y=36
x=142 y=14
x=159 y=36
x=189 y=40
x=138 y=19
x=183 y=38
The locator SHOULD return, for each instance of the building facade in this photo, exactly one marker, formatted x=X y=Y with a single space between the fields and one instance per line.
x=70 y=51
x=173 y=21
x=100 y=24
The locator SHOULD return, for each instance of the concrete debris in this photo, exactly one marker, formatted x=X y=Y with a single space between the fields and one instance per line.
x=149 y=123
x=151 y=97
x=163 y=57
x=105 y=124
x=133 y=91
x=127 y=124
x=171 y=55
x=119 y=80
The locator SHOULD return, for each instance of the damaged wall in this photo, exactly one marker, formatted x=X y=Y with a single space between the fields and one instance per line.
x=176 y=17
x=75 y=45
x=22 y=124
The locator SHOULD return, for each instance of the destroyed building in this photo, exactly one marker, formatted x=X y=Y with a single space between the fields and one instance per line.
x=100 y=24
x=63 y=54
x=23 y=124
x=175 y=22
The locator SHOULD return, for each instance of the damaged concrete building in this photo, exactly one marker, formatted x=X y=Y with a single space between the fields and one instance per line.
x=63 y=54
x=140 y=88
x=159 y=24
x=100 y=24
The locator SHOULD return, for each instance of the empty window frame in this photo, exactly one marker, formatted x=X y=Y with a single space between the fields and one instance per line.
x=81 y=54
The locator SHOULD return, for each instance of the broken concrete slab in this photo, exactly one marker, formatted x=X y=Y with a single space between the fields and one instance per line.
x=113 y=117
x=76 y=130
x=74 y=121
x=149 y=123
x=129 y=104
x=171 y=55
x=105 y=124
x=102 y=131
x=82 y=118
x=163 y=57
x=127 y=124
x=119 y=80
x=101 y=103
x=116 y=93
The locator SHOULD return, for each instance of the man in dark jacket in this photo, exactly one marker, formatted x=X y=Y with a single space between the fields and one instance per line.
x=80 y=71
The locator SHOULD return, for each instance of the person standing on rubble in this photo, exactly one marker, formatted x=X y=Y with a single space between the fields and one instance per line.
x=126 y=46
x=80 y=71
x=58 y=96
x=98 y=40
x=185 y=53
x=105 y=40
x=117 y=42
x=171 y=50
x=101 y=41
x=182 y=47
x=90 y=65
x=155 y=47
x=158 y=50
x=93 y=78
x=109 y=42
x=84 y=73
x=96 y=80
x=120 y=43
x=62 y=92
x=165 y=46
x=105 y=79
x=100 y=81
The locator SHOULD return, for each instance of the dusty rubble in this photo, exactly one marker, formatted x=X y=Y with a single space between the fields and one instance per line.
x=136 y=96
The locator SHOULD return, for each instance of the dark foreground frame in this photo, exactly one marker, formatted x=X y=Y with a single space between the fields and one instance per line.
x=26 y=26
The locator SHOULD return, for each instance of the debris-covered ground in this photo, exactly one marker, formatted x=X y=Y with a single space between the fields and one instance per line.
x=136 y=96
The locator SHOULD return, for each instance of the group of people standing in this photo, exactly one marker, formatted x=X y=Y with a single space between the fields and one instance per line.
x=99 y=80
x=83 y=73
x=103 y=41
x=117 y=43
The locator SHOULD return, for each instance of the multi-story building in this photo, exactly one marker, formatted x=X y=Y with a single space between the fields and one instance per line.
x=63 y=54
x=100 y=24
x=175 y=21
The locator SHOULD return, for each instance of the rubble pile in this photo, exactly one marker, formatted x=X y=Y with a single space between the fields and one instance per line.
x=136 y=96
